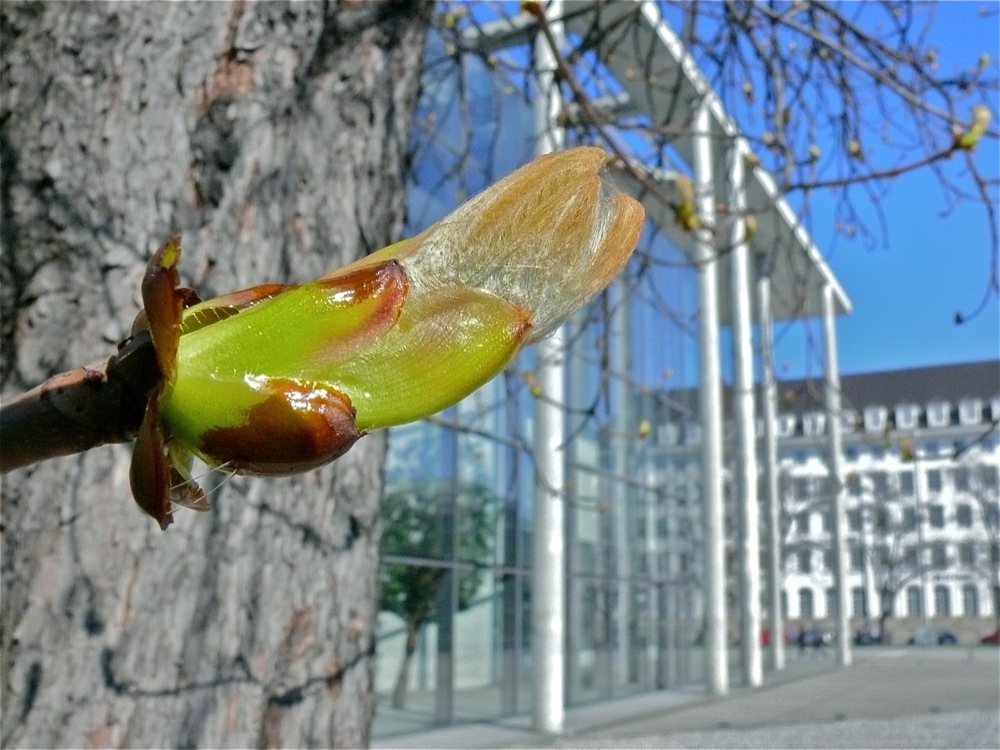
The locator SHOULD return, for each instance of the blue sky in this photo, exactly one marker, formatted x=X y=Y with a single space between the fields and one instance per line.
x=909 y=277
x=907 y=287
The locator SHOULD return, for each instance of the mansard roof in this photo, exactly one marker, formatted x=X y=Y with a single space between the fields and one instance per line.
x=889 y=388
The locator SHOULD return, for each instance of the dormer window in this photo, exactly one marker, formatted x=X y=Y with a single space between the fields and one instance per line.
x=970 y=411
x=786 y=425
x=995 y=407
x=814 y=423
x=848 y=420
x=938 y=413
x=906 y=416
x=875 y=417
x=692 y=433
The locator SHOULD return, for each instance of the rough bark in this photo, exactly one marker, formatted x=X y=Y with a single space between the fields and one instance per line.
x=273 y=136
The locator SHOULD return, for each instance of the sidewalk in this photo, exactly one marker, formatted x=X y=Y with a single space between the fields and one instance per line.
x=902 y=697
x=890 y=697
x=595 y=717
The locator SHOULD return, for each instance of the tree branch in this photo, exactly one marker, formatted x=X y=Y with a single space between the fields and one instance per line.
x=81 y=408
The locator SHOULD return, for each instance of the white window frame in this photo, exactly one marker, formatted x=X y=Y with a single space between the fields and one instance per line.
x=907 y=416
x=938 y=413
x=875 y=418
x=814 y=423
x=786 y=425
x=970 y=411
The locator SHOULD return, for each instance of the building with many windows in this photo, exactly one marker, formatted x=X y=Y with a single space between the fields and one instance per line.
x=921 y=452
x=922 y=459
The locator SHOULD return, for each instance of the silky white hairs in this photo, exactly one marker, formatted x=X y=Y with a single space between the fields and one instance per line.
x=547 y=238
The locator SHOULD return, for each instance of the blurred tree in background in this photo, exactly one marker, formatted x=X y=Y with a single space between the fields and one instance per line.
x=438 y=521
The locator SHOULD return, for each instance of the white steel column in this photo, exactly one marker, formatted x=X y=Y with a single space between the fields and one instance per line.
x=743 y=413
x=576 y=400
x=710 y=407
x=769 y=398
x=652 y=498
x=548 y=621
x=618 y=407
x=837 y=486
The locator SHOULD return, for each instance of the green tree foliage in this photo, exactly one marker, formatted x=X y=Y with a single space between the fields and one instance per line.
x=438 y=520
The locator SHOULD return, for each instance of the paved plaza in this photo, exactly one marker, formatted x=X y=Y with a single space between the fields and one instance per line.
x=935 y=697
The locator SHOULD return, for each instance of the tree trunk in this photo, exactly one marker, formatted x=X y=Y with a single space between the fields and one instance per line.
x=996 y=599
x=403 y=680
x=883 y=634
x=274 y=137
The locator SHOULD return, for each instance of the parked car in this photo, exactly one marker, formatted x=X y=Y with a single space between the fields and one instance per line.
x=816 y=637
x=947 y=638
x=991 y=638
x=867 y=636
x=927 y=636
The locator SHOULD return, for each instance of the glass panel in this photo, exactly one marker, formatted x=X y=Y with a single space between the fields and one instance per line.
x=961 y=476
x=966 y=554
x=491 y=658
x=805 y=603
x=854 y=520
x=406 y=670
x=857 y=557
x=859 y=602
x=805 y=561
x=942 y=601
x=854 y=485
x=970 y=600
x=906 y=482
x=880 y=484
x=934 y=480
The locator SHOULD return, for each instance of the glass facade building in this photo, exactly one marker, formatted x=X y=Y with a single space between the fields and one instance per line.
x=456 y=635
x=465 y=482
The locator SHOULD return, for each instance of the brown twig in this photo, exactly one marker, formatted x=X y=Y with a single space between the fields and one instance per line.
x=80 y=408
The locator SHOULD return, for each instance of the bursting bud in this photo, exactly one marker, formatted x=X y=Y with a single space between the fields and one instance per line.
x=685 y=214
x=981 y=117
x=280 y=379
